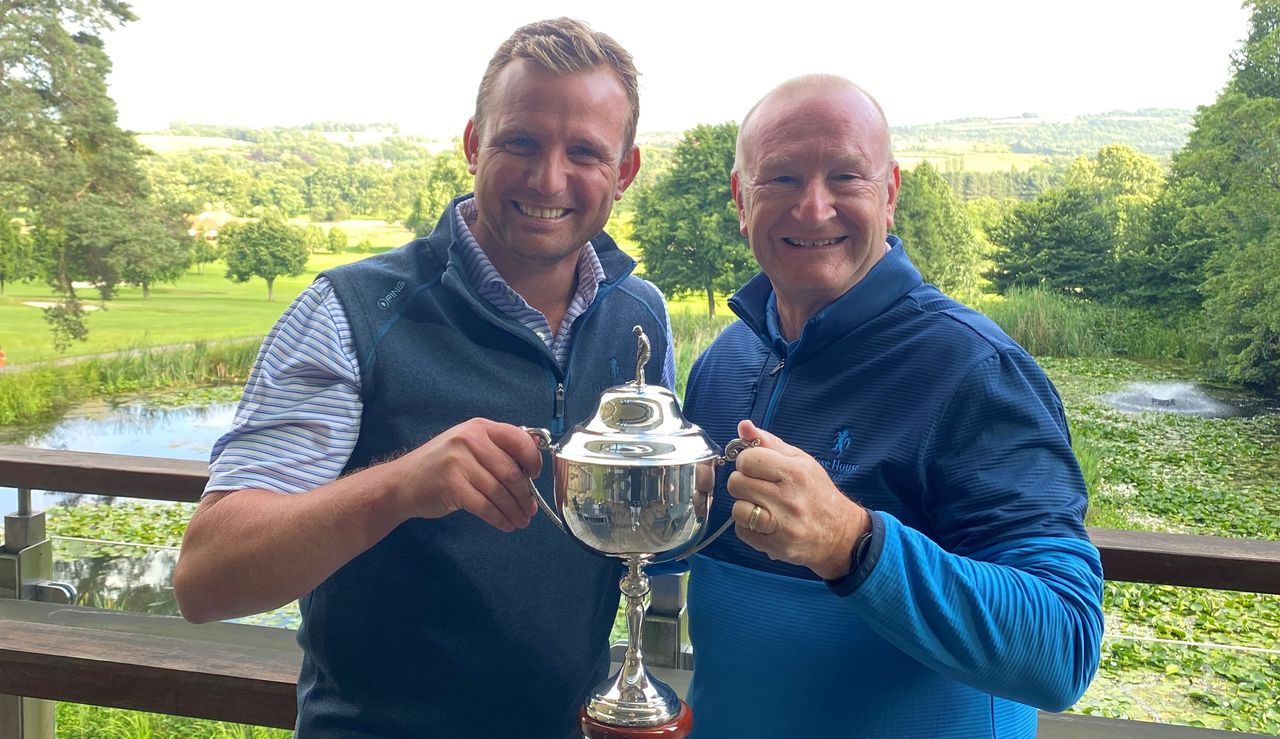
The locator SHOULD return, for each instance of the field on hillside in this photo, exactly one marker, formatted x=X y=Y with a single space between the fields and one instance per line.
x=969 y=158
x=167 y=144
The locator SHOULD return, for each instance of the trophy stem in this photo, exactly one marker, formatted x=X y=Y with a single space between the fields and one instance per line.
x=635 y=586
x=634 y=697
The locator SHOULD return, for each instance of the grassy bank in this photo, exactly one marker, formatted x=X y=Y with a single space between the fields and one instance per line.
x=40 y=392
x=693 y=332
x=1049 y=324
x=75 y=721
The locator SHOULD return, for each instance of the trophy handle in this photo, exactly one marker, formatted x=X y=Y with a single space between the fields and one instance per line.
x=731 y=452
x=733 y=449
x=543 y=439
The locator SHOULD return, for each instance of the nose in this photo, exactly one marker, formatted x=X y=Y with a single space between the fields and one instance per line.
x=547 y=174
x=816 y=205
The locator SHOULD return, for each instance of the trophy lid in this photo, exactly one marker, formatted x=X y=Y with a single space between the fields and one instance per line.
x=637 y=425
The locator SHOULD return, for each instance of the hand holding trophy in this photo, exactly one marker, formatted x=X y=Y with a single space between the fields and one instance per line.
x=626 y=486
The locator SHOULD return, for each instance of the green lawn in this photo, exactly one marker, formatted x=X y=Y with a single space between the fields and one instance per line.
x=200 y=306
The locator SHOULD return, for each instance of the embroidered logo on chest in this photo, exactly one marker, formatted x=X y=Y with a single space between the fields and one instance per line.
x=836 y=465
x=385 y=301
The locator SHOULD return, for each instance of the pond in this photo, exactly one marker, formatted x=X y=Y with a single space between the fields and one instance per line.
x=122 y=575
x=134 y=426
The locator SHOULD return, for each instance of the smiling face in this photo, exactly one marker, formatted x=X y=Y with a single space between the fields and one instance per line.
x=549 y=162
x=815 y=191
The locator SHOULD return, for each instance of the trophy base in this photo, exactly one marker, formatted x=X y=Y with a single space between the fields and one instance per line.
x=677 y=728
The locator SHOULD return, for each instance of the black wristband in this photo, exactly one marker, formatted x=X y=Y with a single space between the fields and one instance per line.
x=860 y=549
x=862 y=558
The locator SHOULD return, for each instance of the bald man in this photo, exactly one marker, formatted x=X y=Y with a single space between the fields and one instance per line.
x=909 y=557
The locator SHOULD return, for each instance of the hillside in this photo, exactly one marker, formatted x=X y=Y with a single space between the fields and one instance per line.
x=1155 y=131
x=1021 y=143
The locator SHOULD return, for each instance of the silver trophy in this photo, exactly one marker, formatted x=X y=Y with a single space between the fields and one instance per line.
x=635 y=482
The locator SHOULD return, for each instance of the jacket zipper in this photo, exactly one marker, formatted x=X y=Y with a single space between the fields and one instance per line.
x=781 y=371
x=557 y=420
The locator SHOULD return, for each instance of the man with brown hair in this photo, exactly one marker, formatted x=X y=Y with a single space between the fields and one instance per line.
x=376 y=470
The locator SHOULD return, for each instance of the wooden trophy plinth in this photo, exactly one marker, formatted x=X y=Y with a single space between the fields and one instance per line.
x=679 y=727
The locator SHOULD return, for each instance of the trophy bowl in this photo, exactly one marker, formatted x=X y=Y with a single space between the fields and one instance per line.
x=635 y=482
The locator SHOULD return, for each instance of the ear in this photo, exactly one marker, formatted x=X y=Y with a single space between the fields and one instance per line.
x=735 y=186
x=471 y=144
x=894 y=182
x=628 y=168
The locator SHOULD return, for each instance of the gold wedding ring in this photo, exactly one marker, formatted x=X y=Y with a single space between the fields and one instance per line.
x=753 y=518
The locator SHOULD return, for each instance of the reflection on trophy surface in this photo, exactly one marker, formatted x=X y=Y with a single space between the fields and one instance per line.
x=630 y=510
x=635 y=482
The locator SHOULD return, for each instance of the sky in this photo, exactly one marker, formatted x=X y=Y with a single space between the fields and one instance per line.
x=284 y=62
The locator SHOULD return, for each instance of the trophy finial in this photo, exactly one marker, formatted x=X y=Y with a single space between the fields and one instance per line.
x=642 y=353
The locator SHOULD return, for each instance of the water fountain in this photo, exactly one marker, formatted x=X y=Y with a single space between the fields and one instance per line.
x=1183 y=398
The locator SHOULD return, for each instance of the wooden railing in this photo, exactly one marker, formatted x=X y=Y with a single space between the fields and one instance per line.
x=246 y=674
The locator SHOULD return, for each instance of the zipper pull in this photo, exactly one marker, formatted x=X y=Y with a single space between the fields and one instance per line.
x=559 y=401
x=778 y=368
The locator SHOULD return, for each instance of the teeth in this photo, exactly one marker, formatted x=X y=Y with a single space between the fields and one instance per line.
x=541 y=212
x=821 y=242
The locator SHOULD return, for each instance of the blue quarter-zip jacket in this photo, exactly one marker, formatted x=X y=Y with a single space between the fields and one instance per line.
x=980 y=598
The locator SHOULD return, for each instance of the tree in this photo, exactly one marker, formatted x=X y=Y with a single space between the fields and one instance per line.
x=687 y=225
x=203 y=251
x=17 y=257
x=1232 y=164
x=1091 y=235
x=267 y=248
x=314 y=238
x=158 y=250
x=337 y=240
x=447 y=177
x=1063 y=240
x=330 y=190
x=65 y=166
x=938 y=233
x=1257 y=63
x=169 y=185
x=1242 y=305
x=1129 y=182
x=1166 y=272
